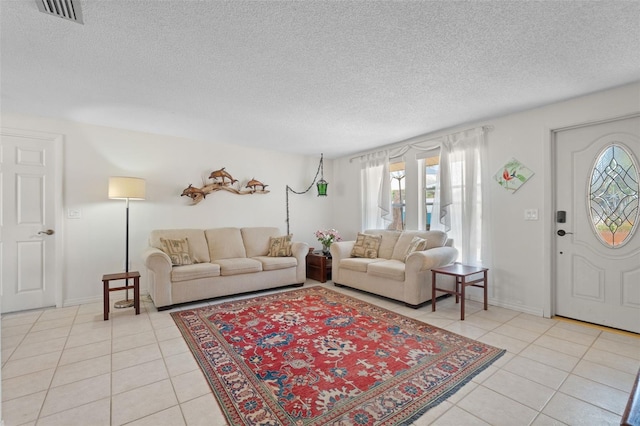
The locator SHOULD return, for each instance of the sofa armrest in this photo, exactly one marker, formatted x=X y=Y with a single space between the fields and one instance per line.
x=417 y=273
x=159 y=277
x=156 y=260
x=421 y=261
x=299 y=251
x=339 y=250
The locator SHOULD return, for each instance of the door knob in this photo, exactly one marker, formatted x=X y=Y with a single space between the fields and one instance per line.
x=562 y=232
x=47 y=232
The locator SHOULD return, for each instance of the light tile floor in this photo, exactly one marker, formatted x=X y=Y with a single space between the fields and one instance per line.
x=69 y=367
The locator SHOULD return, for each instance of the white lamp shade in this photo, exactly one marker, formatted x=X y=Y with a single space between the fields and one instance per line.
x=131 y=188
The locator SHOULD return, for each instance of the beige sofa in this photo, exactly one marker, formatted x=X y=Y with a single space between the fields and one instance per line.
x=225 y=261
x=393 y=273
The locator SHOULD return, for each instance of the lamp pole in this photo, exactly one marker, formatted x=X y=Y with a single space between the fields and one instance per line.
x=126 y=188
x=126 y=303
x=126 y=250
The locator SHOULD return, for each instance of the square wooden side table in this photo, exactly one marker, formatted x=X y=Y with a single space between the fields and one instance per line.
x=135 y=275
x=318 y=266
x=461 y=273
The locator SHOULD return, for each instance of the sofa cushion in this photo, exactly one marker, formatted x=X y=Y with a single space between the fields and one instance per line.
x=359 y=264
x=273 y=263
x=193 y=272
x=404 y=241
x=256 y=240
x=366 y=245
x=417 y=244
x=391 y=269
x=435 y=239
x=177 y=250
x=389 y=239
x=239 y=265
x=280 y=246
x=197 y=241
x=225 y=243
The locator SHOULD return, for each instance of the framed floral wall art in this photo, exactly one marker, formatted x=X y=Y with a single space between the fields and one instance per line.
x=513 y=175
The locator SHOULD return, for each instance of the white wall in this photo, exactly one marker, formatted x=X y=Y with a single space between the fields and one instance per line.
x=520 y=275
x=95 y=243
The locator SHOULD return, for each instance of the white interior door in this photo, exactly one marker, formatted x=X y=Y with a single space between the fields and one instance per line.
x=598 y=258
x=28 y=220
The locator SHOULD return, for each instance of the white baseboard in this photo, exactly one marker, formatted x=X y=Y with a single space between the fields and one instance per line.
x=539 y=312
x=81 y=301
x=87 y=300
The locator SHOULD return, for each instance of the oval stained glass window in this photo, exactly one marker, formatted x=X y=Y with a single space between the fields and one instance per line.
x=613 y=195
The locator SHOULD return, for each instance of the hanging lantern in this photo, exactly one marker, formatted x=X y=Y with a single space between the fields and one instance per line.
x=322 y=188
x=322 y=184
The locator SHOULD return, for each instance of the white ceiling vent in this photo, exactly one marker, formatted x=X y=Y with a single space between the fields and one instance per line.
x=67 y=9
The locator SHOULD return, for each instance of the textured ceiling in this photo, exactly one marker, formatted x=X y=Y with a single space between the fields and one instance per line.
x=311 y=76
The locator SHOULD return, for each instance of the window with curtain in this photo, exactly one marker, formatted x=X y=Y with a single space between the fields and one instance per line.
x=431 y=170
x=461 y=194
x=450 y=196
x=376 y=201
x=398 y=195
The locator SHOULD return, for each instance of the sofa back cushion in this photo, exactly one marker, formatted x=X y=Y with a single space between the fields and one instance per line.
x=197 y=241
x=256 y=240
x=435 y=239
x=404 y=242
x=225 y=243
x=389 y=240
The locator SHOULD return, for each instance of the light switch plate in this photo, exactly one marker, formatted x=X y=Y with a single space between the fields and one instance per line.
x=531 y=214
x=74 y=214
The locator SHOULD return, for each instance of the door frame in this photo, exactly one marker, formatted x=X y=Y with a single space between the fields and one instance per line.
x=57 y=141
x=550 y=241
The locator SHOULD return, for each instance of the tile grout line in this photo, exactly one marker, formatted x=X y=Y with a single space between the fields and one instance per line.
x=173 y=388
x=55 y=370
x=558 y=391
x=539 y=413
x=586 y=378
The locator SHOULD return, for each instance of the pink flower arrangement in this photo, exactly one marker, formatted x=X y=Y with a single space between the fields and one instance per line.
x=328 y=236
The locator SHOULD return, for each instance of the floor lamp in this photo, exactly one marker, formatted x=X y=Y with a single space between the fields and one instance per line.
x=126 y=188
x=321 y=184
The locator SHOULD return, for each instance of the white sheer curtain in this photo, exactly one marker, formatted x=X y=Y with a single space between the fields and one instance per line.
x=460 y=205
x=376 y=190
x=461 y=194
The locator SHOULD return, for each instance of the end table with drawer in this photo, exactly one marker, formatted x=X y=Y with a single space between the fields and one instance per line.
x=318 y=266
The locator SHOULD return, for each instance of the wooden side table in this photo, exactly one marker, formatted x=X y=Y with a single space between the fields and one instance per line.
x=461 y=273
x=135 y=275
x=318 y=266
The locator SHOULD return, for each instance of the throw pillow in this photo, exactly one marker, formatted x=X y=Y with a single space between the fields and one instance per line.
x=366 y=245
x=416 y=244
x=178 y=251
x=280 y=246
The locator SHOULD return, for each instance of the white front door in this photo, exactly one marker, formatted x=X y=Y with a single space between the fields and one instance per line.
x=598 y=258
x=28 y=219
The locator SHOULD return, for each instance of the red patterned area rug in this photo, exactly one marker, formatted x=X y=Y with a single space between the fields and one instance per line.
x=318 y=357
